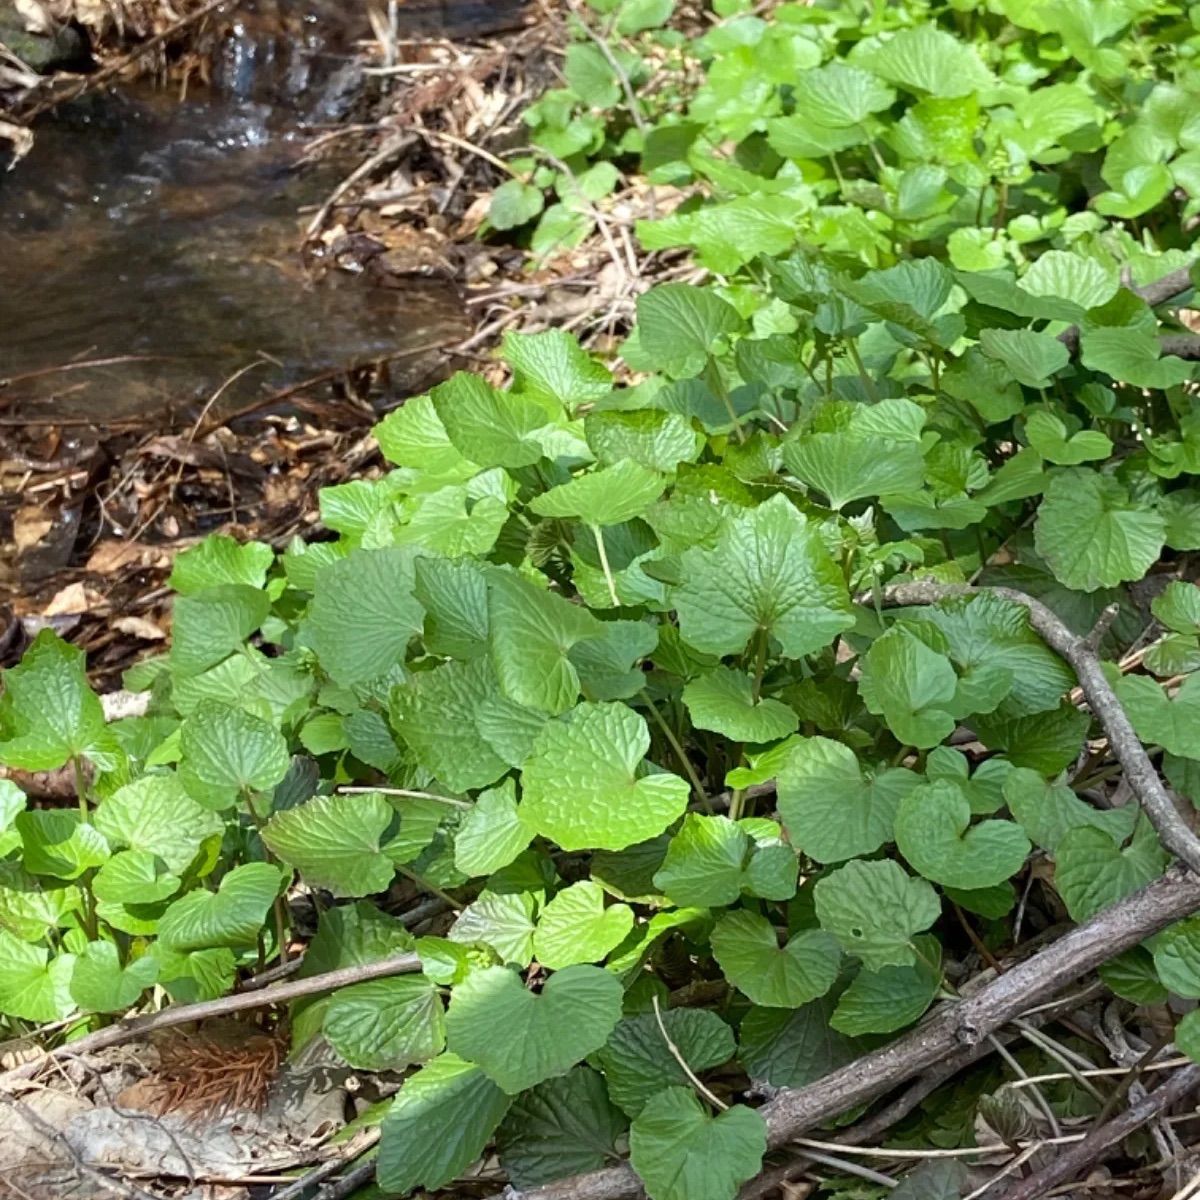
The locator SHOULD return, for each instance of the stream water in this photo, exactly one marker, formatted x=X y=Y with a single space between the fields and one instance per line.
x=166 y=230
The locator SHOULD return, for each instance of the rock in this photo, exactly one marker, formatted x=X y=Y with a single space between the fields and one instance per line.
x=64 y=49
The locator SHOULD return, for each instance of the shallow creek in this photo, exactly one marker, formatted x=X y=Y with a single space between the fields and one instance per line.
x=165 y=230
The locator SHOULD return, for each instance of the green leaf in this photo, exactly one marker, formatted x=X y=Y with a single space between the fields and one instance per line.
x=637 y=1061
x=520 y=1039
x=575 y=927
x=723 y=701
x=386 y=1024
x=581 y=786
x=553 y=367
x=1048 y=811
x=1092 y=535
x=1048 y=436
x=1177 y=958
x=337 y=843
x=1093 y=871
x=502 y=921
x=1178 y=607
x=232 y=916
x=604 y=496
x=563 y=1127
x=1065 y=275
x=364 y=614
x=590 y=75
x=769 y=572
x=449 y=1095
x=925 y=59
x=706 y=862
x=492 y=833
x=491 y=428
x=515 y=203
x=650 y=437
x=988 y=631
x=48 y=713
x=1032 y=357
x=874 y=909
x=413 y=436
x=1187 y=1035
x=134 y=877
x=532 y=634
x=792 y=1047
x=1133 y=977
x=833 y=809
x=1047 y=742
x=220 y=559
x=889 y=999
x=839 y=95
x=100 y=984
x=208 y=626
x=1132 y=356
x=436 y=714
x=679 y=326
x=911 y=686
x=937 y=1179
x=935 y=834
x=56 y=842
x=1173 y=723
x=227 y=752
x=845 y=466
x=747 y=950
x=34 y=986
x=682 y=1153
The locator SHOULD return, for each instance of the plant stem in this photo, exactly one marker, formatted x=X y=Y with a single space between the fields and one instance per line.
x=760 y=665
x=712 y=376
x=680 y=753
x=598 y=534
x=80 y=787
x=856 y=358
x=431 y=888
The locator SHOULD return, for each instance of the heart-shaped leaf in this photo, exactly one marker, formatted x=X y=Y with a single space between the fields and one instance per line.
x=100 y=984
x=1092 y=870
x=386 y=1024
x=581 y=784
x=227 y=752
x=748 y=951
x=874 y=909
x=576 y=927
x=723 y=701
x=232 y=916
x=520 y=1039
x=681 y=1153
x=934 y=833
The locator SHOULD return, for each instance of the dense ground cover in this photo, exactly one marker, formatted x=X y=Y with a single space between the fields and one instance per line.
x=742 y=699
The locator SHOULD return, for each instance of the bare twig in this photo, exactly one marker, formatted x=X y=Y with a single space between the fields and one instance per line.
x=183 y=1014
x=1079 y=1157
x=319 y=1174
x=110 y=1184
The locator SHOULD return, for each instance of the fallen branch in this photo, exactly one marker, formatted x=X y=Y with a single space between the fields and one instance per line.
x=183 y=1014
x=1075 y=1160
x=952 y=1028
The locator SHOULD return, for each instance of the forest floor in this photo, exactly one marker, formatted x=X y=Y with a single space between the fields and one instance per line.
x=93 y=510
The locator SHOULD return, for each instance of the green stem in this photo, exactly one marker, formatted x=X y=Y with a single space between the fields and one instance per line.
x=856 y=358
x=598 y=534
x=680 y=753
x=431 y=888
x=760 y=665
x=80 y=788
x=712 y=376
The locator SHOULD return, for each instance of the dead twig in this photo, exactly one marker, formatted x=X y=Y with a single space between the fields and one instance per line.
x=108 y=1182
x=183 y=1014
x=1077 y=1158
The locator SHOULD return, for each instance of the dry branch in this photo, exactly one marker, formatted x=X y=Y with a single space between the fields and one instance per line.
x=1076 y=1159
x=184 y=1014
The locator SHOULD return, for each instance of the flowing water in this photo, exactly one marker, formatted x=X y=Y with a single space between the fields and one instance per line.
x=166 y=231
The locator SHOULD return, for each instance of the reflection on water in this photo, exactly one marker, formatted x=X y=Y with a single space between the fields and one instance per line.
x=144 y=226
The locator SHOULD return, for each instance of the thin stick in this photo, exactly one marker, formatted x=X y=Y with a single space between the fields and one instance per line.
x=183 y=1014
x=1104 y=1137
x=677 y=1055
x=319 y=1174
x=409 y=793
x=107 y=1182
